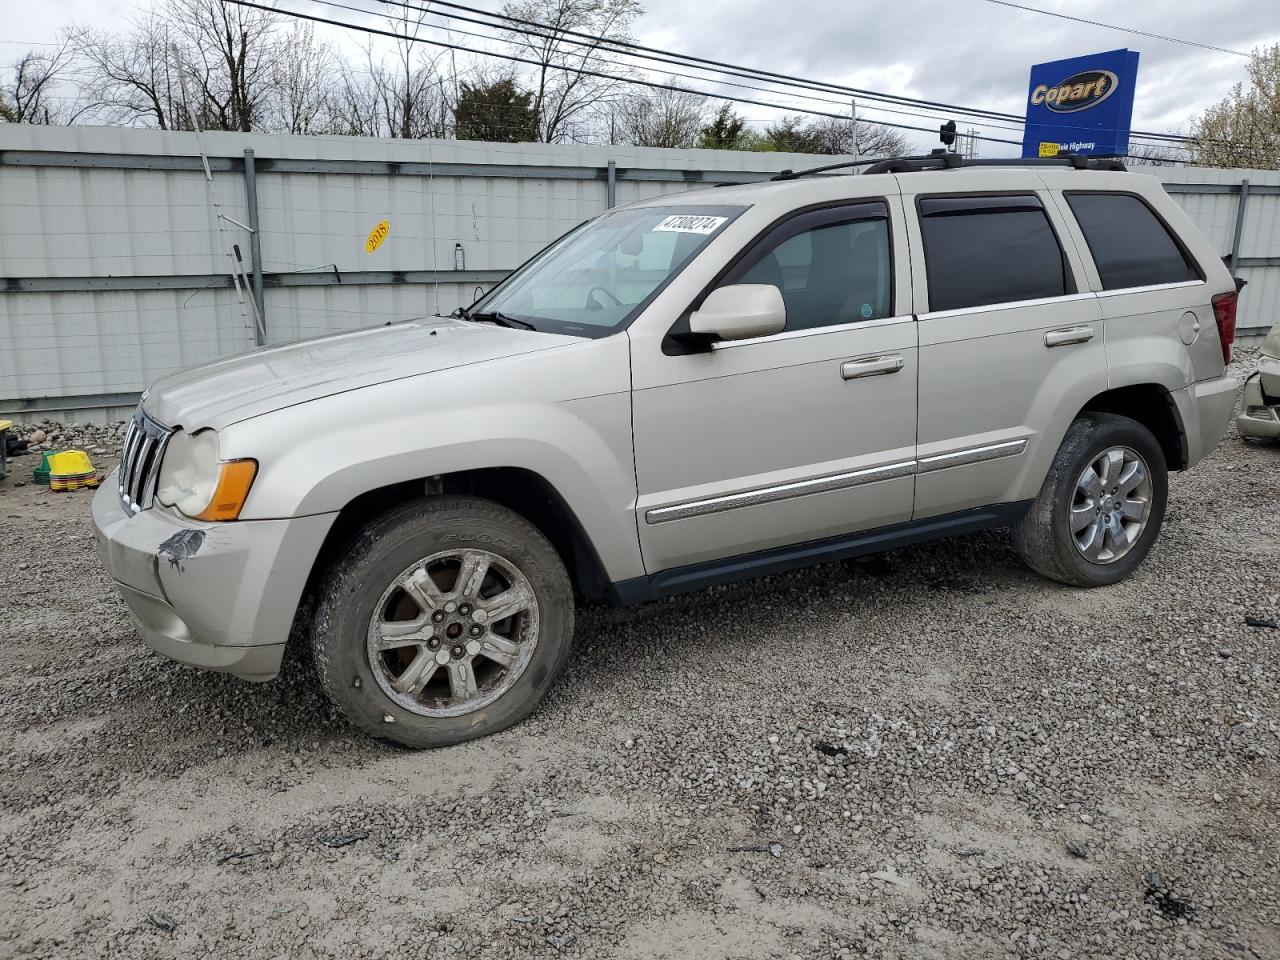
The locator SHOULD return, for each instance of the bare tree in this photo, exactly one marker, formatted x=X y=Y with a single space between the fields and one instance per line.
x=661 y=118
x=229 y=52
x=133 y=77
x=304 y=94
x=1153 y=155
x=564 y=99
x=401 y=95
x=829 y=135
x=38 y=87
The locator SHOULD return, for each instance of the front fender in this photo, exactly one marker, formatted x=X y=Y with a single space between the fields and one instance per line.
x=319 y=456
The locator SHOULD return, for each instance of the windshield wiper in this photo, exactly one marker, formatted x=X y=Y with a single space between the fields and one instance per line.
x=501 y=319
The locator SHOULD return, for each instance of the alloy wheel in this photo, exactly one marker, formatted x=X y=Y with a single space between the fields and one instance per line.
x=1111 y=505
x=453 y=632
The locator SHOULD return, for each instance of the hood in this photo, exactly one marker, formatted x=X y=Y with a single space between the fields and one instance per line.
x=258 y=382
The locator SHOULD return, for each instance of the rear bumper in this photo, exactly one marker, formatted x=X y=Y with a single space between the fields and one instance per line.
x=1259 y=418
x=1205 y=409
x=221 y=596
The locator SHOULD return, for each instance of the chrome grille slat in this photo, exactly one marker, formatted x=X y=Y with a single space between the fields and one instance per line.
x=144 y=444
x=126 y=455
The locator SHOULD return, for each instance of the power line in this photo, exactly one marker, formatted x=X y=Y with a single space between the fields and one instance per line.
x=660 y=55
x=657 y=53
x=1112 y=26
x=577 y=70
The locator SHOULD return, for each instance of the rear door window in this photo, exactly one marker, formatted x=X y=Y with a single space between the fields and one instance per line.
x=1130 y=245
x=983 y=250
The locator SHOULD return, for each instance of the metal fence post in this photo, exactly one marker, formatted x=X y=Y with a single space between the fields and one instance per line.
x=613 y=184
x=1235 y=242
x=255 y=237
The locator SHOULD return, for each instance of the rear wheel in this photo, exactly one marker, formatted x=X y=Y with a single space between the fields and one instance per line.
x=448 y=619
x=1101 y=506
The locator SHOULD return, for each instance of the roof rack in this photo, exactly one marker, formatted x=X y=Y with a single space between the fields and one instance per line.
x=946 y=160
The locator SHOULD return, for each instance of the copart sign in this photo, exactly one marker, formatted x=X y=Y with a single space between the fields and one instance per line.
x=1081 y=105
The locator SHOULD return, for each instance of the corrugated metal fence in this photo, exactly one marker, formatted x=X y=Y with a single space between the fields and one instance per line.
x=115 y=248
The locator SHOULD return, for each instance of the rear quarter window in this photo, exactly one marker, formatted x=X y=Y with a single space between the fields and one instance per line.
x=1130 y=245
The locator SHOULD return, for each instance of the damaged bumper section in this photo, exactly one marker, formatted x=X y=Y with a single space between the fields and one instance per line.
x=220 y=596
x=1259 y=415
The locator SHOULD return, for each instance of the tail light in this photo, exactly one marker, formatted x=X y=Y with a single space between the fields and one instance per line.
x=1224 y=311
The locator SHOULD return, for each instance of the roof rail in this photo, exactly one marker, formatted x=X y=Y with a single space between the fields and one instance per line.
x=796 y=174
x=945 y=160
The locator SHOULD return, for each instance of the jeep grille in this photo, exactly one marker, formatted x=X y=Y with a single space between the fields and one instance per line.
x=144 y=444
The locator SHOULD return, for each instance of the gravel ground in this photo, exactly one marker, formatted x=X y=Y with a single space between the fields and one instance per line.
x=933 y=755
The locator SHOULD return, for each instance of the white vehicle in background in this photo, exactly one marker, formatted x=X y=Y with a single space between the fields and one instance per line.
x=1259 y=417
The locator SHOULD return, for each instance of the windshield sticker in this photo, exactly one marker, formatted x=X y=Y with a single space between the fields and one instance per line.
x=688 y=223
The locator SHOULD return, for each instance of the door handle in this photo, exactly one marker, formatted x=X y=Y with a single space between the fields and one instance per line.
x=871 y=367
x=1060 y=338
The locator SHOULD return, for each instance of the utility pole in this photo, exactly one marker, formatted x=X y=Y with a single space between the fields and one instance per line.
x=853 y=113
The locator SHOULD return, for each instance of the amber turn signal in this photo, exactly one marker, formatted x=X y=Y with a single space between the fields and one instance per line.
x=234 y=481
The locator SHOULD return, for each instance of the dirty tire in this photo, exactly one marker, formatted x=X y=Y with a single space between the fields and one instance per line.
x=1043 y=537
x=354 y=586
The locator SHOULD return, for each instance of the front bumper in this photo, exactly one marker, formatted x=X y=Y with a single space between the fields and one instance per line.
x=1259 y=415
x=221 y=596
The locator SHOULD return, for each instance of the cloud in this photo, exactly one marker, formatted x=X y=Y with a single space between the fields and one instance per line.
x=970 y=52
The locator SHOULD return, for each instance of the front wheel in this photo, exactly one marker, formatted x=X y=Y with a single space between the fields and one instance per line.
x=447 y=619
x=1101 y=505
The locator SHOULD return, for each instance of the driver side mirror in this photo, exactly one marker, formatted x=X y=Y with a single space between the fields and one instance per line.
x=740 y=311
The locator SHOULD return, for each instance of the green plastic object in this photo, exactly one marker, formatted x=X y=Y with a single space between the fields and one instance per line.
x=41 y=473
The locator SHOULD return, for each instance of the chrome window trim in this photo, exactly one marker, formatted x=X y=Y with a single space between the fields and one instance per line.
x=835 y=481
x=1009 y=305
x=813 y=331
x=1152 y=288
x=960 y=458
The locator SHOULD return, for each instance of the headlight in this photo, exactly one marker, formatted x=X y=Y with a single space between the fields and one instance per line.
x=194 y=481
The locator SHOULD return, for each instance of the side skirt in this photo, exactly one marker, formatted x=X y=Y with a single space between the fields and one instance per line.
x=667 y=583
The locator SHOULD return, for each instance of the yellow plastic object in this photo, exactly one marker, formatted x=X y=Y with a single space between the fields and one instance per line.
x=72 y=470
x=5 y=424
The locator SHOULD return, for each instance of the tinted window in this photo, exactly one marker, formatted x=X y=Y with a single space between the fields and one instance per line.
x=829 y=274
x=981 y=250
x=1130 y=246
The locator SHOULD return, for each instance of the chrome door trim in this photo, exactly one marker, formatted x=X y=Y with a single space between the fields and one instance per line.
x=1122 y=291
x=834 y=481
x=1011 y=305
x=782 y=491
x=960 y=458
x=813 y=331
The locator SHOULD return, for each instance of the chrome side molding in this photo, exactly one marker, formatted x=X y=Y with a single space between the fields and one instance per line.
x=834 y=481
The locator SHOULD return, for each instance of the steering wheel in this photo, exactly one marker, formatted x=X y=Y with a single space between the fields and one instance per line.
x=598 y=305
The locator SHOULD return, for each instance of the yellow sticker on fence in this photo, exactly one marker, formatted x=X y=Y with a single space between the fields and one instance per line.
x=1049 y=149
x=376 y=236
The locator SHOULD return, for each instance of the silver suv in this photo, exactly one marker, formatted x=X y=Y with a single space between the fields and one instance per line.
x=681 y=392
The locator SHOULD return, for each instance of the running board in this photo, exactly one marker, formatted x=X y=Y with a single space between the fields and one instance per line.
x=667 y=583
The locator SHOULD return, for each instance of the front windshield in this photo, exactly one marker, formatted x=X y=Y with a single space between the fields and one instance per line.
x=594 y=279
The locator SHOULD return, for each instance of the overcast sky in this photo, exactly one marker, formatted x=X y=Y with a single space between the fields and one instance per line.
x=969 y=52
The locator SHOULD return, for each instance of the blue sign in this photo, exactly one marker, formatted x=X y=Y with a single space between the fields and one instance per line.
x=1081 y=105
